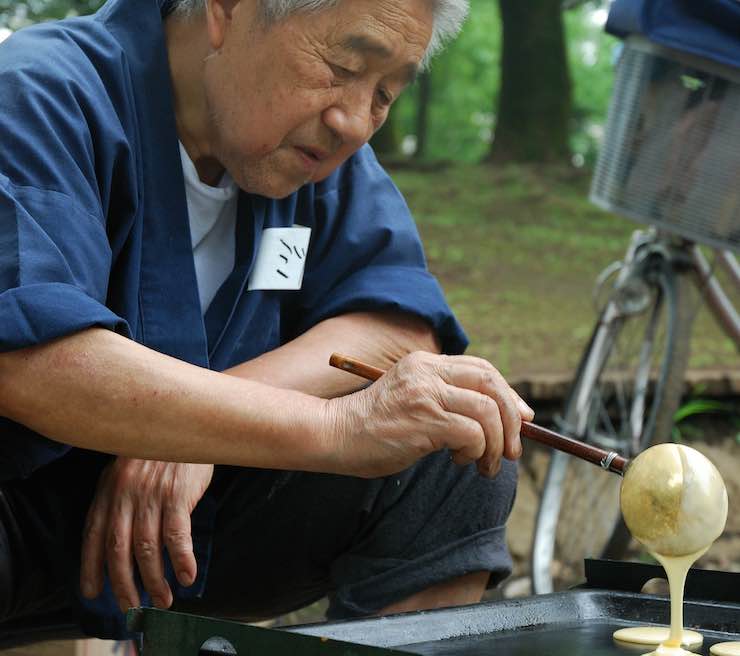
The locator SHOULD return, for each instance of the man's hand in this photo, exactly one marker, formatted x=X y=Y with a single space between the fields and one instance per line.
x=140 y=507
x=425 y=403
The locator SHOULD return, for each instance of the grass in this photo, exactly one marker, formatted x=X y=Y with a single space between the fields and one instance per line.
x=517 y=250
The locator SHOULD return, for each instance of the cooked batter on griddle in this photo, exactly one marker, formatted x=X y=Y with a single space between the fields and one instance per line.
x=655 y=635
x=725 y=649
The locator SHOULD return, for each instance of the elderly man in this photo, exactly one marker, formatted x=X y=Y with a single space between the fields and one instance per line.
x=190 y=223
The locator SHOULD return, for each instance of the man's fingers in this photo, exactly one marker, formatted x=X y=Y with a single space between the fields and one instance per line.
x=179 y=542
x=488 y=381
x=461 y=433
x=148 y=552
x=92 y=567
x=483 y=411
x=119 y=555
x=490 y=462
x=525 y=410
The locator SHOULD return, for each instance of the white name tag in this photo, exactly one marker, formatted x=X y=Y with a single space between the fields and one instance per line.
x=281 y=258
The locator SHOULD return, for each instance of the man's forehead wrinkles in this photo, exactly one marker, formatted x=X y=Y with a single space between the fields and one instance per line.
x=368 y=45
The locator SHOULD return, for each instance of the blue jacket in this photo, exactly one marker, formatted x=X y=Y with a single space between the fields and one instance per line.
x=94 y=228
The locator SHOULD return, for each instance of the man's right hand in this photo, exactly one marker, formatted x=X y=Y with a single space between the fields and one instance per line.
x=141 y=507
x=425 y=403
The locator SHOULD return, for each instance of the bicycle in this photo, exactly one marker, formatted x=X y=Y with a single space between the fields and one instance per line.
x=670 y=159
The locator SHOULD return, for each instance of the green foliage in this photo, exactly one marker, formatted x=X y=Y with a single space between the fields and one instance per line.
x=695 y=407
x=592 y=55
x=464 y=80
x=14 y=14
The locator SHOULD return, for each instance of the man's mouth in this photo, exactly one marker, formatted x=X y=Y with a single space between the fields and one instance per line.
x=311 y=158
x=315 y=154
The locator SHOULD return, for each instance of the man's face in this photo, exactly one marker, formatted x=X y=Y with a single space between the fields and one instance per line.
x=290 y=102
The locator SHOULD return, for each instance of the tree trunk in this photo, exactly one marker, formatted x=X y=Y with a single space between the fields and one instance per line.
x=423 y=101
x=534 y=100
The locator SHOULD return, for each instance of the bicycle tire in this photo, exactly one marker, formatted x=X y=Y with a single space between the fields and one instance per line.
x=621 y=540
x=579 y=515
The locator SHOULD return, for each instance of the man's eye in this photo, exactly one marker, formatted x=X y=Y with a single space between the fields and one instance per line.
x=384 y=97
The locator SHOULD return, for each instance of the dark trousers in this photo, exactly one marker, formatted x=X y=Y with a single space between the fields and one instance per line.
x=281 y=539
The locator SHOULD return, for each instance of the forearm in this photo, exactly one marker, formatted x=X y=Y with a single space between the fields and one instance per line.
x=379 y=338
x=98 y=390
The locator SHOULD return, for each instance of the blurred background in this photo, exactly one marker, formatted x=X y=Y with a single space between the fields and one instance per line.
x=493 y=148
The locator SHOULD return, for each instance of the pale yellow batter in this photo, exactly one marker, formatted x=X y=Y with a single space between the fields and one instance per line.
x=654 y=635
x=674 y=501
x=725 y=649
x=669 y=641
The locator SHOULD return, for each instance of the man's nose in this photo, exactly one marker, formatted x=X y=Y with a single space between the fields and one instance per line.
x=351 y=121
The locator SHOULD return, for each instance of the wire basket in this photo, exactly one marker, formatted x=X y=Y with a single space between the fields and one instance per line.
x=671 y=152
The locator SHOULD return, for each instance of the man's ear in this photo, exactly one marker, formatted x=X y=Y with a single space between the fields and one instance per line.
x=218 y=21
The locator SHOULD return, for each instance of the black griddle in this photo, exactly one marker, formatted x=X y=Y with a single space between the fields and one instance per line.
x=571 y=623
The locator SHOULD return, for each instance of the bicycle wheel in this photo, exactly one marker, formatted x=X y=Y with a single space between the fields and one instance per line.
x=623 y=398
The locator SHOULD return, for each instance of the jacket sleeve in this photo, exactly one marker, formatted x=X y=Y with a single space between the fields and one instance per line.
x=54 y=268
x=55 y=255
x=56 y=156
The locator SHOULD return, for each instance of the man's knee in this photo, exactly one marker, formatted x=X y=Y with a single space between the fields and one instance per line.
x=459 y=591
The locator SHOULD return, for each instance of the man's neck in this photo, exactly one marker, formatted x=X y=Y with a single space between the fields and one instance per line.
x=187 y=48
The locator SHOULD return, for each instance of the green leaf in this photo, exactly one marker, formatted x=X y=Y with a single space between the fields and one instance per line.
x=700 y=407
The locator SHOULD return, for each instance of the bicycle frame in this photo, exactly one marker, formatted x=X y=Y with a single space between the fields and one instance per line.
x=644 y=245
x=718 y=301
x=643 y=248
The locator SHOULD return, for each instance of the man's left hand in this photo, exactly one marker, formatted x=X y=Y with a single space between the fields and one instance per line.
x=140 y=507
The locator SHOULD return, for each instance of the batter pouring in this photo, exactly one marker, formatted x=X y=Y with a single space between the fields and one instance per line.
x=674 y=502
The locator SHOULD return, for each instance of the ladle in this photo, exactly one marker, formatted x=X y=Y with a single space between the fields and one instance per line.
x=673 y=499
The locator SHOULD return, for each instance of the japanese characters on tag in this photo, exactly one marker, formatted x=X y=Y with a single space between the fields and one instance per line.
x=281 y=259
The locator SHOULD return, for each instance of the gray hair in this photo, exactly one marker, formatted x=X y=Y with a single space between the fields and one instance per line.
x=449 y=15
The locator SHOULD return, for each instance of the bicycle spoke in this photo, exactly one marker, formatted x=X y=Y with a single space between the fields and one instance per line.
x=607 y=422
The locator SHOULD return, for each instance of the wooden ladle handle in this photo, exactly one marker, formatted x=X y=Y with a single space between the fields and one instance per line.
x=608 y=460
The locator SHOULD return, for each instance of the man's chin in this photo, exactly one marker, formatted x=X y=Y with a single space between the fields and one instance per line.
x=321 y=176
x=273 y=189
x=281 y=192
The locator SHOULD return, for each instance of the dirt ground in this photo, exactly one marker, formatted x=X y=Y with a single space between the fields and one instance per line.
x=719 y=443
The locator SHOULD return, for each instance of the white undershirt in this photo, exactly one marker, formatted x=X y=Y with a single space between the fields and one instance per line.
x=212 y=212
